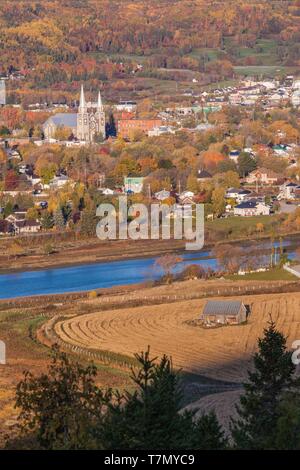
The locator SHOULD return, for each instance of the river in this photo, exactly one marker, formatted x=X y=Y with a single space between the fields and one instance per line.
x=106 y=274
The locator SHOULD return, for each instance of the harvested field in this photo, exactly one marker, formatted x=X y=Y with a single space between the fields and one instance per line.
x=222 y=353
x=222 y=403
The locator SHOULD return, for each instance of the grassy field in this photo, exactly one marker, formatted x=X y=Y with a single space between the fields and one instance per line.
x=263 y=70
x=279 y=274
x=238 y=227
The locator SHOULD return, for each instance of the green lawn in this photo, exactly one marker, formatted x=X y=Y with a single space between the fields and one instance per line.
x=278 y=274
x=237 y=227
x=269 y=70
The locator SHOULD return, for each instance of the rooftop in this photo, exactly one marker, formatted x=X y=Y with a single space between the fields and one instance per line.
x=218 y=307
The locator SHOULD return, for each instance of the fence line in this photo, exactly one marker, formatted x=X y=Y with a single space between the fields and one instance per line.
x=117 y=299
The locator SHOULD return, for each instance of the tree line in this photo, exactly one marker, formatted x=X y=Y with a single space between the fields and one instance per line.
x=65 y=409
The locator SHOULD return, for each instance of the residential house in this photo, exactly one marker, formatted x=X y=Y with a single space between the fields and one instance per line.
x=162 y=195
x=234 y=155
x=282 y=150
x=133 y=184
x=203 y=176
x=58 y=181
x=225 y=312
x=185 y=194
x=107 y=191
x=128 y=106
x=238 y=194
x=263 y=176
x=19 y=225
x=34 y=179
x=251 y=208
x=288 y=190
x=26 y=226
x=157 y=131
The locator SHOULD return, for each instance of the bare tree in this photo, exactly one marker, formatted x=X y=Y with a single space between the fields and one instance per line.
x=167 y=263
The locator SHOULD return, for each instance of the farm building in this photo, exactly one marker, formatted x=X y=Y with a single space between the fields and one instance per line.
x=231 y=312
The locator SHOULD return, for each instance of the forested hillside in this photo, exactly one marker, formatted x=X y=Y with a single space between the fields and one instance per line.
x=55 y=43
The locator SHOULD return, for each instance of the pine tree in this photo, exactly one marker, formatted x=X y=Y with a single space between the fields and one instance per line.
x=59 y=220
x=88 y=223
x=149 y=418
x=47 y=220
x=259 y=407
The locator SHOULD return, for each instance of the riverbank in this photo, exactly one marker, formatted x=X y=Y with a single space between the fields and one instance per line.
x=90 y=251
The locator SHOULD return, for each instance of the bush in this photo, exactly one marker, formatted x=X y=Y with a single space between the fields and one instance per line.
x=93 y=294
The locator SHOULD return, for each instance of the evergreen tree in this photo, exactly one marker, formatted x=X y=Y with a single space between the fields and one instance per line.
x=246 y=164
x=47 y=220
x=88 y=222
x=149 y=418
x=259 y=408
x=287 y=432
x=64 y=409
x=207 y=434
x=59 y=220
x=110 y=127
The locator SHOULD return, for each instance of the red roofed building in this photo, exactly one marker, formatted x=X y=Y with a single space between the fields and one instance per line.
x=126 y=126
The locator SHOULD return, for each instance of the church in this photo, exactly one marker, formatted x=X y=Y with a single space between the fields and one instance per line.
x=87 y=123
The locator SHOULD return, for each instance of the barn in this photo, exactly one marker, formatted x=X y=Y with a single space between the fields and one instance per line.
x=221 y=312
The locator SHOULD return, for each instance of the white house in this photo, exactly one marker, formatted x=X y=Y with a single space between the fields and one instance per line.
x=238 y=194
x=288 y=190
x=58 y=181
x=251 y=208
x=234 y=155
x=107 y=191
x=160 y=130
x=162 y=195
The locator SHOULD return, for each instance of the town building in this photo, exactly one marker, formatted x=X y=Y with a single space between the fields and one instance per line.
x=90 y=119
x=128 y=106
x=88 y=122
x=157 y=131
x=127 y=126
x=60 y=120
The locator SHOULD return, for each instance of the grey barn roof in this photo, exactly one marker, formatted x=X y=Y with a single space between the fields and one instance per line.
x=217 y=307
x=63 y=119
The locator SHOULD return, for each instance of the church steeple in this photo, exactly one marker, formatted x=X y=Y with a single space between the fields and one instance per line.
x=90 y=118
x=82 y=104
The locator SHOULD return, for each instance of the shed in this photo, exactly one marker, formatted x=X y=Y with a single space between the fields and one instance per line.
x=232 y=312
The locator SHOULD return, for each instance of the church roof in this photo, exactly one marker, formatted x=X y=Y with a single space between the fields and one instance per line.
x=63 y=119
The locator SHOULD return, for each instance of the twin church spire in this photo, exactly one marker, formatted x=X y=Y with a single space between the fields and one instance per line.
x=83 y=104
x=90 y=119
